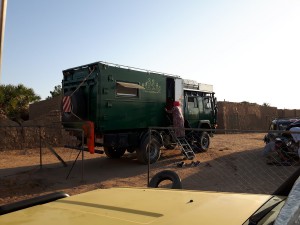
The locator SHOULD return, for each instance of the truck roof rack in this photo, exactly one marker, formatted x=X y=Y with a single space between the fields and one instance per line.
x=194 y=85
x=124 y=67
x=138 y=69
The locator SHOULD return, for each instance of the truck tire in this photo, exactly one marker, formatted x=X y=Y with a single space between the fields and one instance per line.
x=154 y=146
x=203 y=141
x=78 y=107
x=114 y=153
x=166 y=175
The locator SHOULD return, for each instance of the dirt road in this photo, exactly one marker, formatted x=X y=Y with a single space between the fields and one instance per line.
x=233 y=163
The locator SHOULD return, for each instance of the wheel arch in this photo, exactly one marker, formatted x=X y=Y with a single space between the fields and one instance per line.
x=204 y=124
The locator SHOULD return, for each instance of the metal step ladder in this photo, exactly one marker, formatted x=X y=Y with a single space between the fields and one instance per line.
x=185 y=147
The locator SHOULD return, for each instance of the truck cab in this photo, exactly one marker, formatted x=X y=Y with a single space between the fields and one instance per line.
x=199 y=106
x=198 y=102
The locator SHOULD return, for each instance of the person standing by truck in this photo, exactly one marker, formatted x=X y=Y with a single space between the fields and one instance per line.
x=178 y=119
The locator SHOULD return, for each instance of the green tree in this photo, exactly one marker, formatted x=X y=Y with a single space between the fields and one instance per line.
x=266 y=104
x=15 y=100
x=56 y=92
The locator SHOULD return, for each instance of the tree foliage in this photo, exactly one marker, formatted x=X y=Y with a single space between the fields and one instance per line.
x=15 y=100
x=56 y=92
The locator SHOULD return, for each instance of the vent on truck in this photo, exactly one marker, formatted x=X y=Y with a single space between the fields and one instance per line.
x=73 y=106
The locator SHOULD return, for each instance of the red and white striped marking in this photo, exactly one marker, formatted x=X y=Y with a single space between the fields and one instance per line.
x=66 y=104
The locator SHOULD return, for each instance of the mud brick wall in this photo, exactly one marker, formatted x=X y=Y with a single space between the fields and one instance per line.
x=47 y=127
x=45 y=123
x=245 y=116
x=10 y=133
x=44 y=107
x=289 y=113
x=41 y=131
x=231 y=115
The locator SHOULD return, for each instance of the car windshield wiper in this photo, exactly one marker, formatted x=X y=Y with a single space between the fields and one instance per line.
x=254 y=219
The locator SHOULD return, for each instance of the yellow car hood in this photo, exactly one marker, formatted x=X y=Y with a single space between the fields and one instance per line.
x=142 y=206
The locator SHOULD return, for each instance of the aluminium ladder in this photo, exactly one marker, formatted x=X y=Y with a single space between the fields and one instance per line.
x=185 y=147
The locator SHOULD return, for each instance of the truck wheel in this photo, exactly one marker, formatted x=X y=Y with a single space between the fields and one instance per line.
x=203 y=141
x=153 y=146
x=114 y=153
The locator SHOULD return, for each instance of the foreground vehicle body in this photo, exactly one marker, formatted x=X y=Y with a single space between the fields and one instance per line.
x=142 y=206
x=160 y=206
x=123 y=102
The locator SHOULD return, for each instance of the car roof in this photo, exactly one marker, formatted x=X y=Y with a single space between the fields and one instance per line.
x=294 y=124
x=286 y=120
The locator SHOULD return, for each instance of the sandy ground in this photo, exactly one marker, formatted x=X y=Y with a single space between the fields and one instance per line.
x=233 y=164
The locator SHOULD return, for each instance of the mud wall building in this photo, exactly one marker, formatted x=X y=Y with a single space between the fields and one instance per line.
x=231 y=115
x=44 y=123
x=44 y=107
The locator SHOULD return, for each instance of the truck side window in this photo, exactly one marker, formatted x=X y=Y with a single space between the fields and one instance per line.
x=127 y=89
x=192 y=102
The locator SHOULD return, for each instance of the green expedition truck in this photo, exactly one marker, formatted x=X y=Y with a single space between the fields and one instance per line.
x=123 y=102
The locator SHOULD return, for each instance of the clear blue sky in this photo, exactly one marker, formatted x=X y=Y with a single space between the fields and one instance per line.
x=249 y=50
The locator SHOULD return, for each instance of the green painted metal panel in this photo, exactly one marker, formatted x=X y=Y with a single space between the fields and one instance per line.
x=121 y=112
x=112 y=111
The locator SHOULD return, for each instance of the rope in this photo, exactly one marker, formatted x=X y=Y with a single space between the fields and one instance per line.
x=83 y=80
x=75 y=115
x=78 y=88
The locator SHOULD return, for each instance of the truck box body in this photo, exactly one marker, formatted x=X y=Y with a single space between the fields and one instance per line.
x=118 y=99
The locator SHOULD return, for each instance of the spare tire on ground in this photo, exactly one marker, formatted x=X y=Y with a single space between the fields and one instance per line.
x=166 y=175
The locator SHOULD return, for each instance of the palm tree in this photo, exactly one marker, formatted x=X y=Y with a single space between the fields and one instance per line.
x=15 y=100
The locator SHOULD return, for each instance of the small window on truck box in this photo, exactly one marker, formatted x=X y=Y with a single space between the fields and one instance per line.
x=127 y=89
